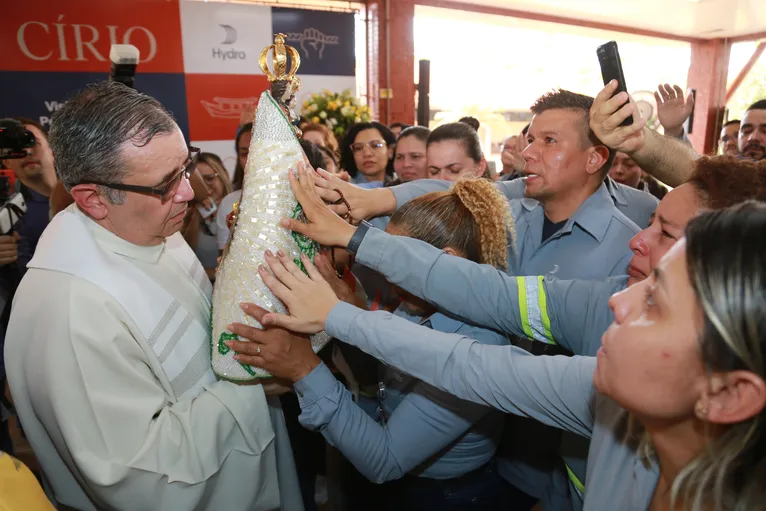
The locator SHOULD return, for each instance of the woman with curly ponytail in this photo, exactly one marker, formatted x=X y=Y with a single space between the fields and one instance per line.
x=432 y=450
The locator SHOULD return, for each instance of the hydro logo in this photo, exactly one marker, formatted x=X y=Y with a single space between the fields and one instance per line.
x=230 y=38
x=231 y=34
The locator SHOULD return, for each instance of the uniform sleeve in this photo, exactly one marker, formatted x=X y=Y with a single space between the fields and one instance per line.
x=95 y=390
x=557 y=391
x=425 y=422
x=407 y=191
x=573 y=314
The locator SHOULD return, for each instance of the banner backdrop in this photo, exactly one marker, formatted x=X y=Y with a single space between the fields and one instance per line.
x=199 y=59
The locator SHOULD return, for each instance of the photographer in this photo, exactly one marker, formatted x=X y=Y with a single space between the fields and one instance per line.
x=37 y=177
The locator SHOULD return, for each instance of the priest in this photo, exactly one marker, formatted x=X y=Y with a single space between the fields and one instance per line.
x=108 y=347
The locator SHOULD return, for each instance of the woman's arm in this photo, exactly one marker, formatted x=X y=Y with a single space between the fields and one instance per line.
x=554 y=390
x=571 y=313
x=420 y=427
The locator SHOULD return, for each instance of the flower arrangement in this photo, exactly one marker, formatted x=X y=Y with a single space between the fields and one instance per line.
x=335 y=110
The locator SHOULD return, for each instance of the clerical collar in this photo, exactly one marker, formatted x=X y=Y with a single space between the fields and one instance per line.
x=110 y=241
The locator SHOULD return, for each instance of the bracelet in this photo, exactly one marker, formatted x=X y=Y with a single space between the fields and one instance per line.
x=356 y=239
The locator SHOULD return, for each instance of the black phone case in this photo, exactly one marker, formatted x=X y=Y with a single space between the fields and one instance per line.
x=611 y=69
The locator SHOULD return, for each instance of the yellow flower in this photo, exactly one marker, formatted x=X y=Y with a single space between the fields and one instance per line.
x=332 y=105
x=315 y=120
x=347 y=103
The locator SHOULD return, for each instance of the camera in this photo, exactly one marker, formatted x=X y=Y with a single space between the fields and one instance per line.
x=15 y=140
x=124 y=59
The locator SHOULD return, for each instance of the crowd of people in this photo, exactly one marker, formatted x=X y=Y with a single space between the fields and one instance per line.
x=583 y=329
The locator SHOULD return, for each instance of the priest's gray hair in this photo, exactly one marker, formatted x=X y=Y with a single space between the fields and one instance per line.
x=87 y=133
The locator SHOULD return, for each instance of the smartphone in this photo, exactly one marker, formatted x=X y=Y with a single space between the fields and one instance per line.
x=207 y=208
x=611 y=69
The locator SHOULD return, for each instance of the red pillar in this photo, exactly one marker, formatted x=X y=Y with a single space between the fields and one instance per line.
x=708 y=73
x=391 y=29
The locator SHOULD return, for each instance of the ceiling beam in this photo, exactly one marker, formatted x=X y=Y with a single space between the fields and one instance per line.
x=551 y=18
x=748 y=37
x=745 y=70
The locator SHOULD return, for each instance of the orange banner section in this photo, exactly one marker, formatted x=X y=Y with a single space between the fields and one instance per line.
x=76 y=35
x=216 y=102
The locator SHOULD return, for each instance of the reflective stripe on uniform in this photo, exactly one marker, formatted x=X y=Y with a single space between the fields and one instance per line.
x=533 y=309
x=576 y=482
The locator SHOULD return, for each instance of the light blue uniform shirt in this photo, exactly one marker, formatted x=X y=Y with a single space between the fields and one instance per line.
x=637 y=205
x=557 y=391
x=429 y=432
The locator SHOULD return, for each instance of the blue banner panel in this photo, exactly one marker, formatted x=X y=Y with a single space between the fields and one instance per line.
x=37 y=94
x=325 y=40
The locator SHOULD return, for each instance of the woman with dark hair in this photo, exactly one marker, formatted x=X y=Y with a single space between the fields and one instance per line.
x=454 y=151
x=367 y=153
x=410 y=161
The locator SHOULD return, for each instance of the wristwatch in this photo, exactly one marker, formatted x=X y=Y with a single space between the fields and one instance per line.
x=356 y=239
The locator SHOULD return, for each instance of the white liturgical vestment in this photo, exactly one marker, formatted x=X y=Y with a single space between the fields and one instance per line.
x=108 y=360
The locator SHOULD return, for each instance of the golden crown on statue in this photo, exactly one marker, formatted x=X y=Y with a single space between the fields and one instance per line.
x=280 y=52
x=284 y=84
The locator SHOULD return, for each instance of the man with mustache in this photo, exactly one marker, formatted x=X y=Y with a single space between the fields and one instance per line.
x=752 y=132
x=108 y=346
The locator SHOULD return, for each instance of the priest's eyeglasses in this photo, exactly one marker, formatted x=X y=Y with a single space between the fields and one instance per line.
x=164 y=191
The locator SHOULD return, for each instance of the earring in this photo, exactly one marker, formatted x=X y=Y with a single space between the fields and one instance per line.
x=701 y=410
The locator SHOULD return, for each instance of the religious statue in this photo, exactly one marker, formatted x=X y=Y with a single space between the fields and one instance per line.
x=266 y=197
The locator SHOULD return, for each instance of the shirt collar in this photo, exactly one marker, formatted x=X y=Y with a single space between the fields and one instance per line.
x=593 y=215
x=114 y=243
x=616 y=191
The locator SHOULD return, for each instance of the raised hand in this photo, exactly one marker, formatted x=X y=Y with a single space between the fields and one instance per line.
x=308 y=298
x=672 y=109
x=322 y=226
x=606 y=114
